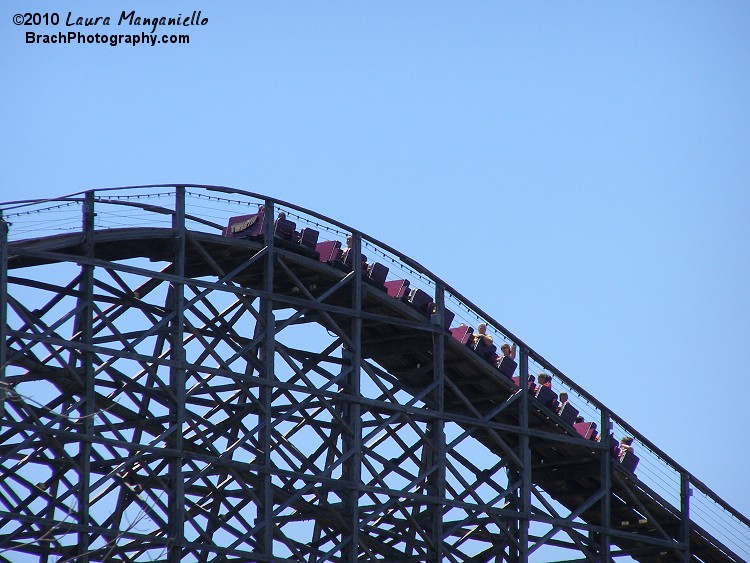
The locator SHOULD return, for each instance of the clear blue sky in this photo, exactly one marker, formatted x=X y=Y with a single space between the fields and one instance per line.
x=580 y=170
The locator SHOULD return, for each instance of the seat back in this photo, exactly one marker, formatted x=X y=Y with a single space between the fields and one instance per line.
x=308 y=238
x=531 y=384
x=348 y=253
x=243 y=226
x=569 y=413
x=485 y=350
x=377 y=272
x=507 y=366
x=284 y=229
x=398 y=289
x=447 y=318
x=629 y=461
x=586 y=429
x=328 y=250
x=462 y=333
x=420 y=300
x=546 y=396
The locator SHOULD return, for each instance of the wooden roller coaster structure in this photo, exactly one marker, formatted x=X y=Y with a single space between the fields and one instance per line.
x=171 y=393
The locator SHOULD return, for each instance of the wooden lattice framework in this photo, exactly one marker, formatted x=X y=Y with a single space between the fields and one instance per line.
x=175 y=395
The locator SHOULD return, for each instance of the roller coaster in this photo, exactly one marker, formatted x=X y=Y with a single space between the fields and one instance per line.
x=195 y=373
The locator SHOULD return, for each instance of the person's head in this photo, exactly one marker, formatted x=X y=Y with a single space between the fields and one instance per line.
x=579 y=419
x=505 y=349
x=563 y=397
x=627 y=441
x=282 y=215
x=349 y=242
x=482 y=328
x=543 y=378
